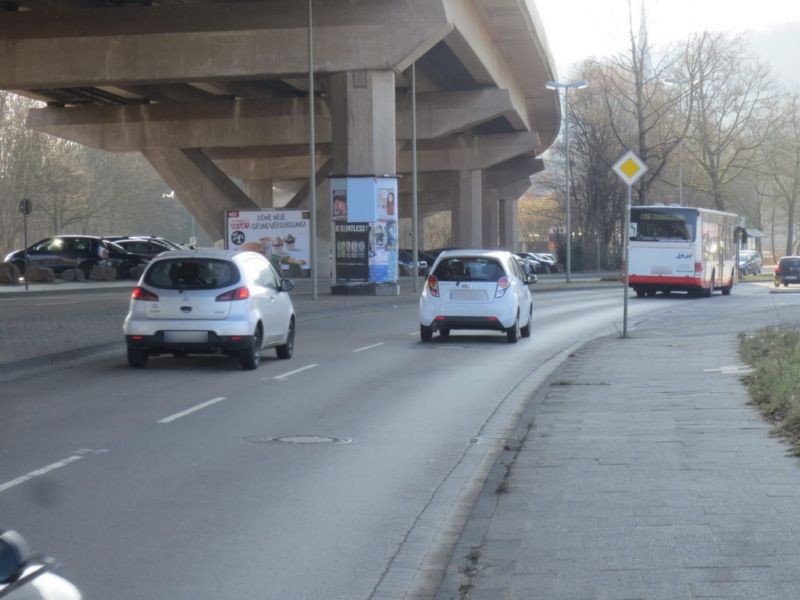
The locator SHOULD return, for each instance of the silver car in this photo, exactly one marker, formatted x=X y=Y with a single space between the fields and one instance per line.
x=210 y=301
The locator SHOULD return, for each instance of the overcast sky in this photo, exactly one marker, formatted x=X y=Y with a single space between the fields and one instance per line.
x=579 y=29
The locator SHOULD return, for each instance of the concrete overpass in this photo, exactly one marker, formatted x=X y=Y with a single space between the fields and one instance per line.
x=214 y=95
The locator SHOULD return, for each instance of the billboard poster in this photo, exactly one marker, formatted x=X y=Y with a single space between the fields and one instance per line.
x=339 y=209
x=370 y=201
x=352 y=251
x=283 y=236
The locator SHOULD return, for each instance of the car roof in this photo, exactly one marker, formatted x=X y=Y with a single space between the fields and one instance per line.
x=217 y=253
x=499 y=254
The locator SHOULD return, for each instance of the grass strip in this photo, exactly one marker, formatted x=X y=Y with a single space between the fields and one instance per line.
x=774 y=384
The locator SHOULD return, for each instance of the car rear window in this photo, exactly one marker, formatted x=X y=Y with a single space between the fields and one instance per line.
x=467 y=268
x=790 y=262
x=191 y=274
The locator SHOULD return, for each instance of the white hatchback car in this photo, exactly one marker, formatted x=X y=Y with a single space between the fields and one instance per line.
x=210 y=301
x=476 y=289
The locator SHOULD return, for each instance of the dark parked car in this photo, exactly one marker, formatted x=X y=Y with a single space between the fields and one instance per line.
x=532 y=264
x=548 y=260
x=77 y=251
x=144 y=246
x=405 y=263
x=787 y=271
x=749 y=262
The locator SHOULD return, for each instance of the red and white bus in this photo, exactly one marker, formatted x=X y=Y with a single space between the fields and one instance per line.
x=675 y=248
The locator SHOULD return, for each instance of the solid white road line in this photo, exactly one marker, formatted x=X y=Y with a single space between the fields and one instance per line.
x=368 y=347
x=296 y=371
x=189 y=411
x=38 y=473
x=56 y=303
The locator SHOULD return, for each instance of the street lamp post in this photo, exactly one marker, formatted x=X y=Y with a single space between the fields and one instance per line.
x=681 y=83
x=576 y=85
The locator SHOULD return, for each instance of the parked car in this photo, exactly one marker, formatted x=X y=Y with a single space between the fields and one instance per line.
x=143 y=246
x=527 y=270
x=532 y=264
x=787 y=271
x=749 y=262
x=153 y=238
x=548 y=260
x=210 y=301
x=405 y=262
x=476 y=289
x=77 y=251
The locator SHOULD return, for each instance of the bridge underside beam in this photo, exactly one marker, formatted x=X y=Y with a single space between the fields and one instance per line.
x=194 y=42
x=238 y=124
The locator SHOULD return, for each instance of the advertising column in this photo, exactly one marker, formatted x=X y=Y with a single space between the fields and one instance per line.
x=365 y=226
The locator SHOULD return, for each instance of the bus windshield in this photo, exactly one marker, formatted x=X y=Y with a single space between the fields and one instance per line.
x=650 y=224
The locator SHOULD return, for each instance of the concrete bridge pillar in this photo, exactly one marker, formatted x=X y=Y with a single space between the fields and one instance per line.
x=508 y=224
x=363 y=128
x=467 y=218
x=260 y=191
x=491 y=219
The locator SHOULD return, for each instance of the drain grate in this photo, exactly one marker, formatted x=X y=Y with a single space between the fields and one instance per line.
x=301 y=439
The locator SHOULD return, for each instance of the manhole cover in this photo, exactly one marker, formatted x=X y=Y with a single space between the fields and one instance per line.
x=300 y=439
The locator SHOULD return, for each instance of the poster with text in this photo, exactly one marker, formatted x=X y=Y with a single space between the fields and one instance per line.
x=352 y=251
x=283 y=236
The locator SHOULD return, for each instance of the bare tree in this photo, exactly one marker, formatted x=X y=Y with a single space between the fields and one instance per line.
x=641 y=106
x=733 y=102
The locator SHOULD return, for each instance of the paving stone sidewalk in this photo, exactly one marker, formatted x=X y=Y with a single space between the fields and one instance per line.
x=645 y=476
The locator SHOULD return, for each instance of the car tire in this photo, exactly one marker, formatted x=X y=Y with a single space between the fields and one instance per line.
x=86 y=267
x=250 y=357
x=137 y=359
x=513 y=332
x=286 y=350
x=444 y=332
x=526 y=331
x=639 y=292
x=710 y=290
x=777 y=283
x=425 y=333
x=20 y=264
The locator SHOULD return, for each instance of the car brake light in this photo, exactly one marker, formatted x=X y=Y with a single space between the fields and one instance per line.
x=240 y=293
x=140 y=293
x=433 y=286
x=777 y=269
x=698 y=267
x=502 y=285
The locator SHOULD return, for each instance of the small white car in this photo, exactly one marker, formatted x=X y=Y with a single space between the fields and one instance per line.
x=476 y=289
x=210 y=301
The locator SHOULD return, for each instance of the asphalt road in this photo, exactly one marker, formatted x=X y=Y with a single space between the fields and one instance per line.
x=168 y=482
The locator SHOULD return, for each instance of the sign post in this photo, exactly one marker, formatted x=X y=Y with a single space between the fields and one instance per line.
x=629 y=168
x=25 y=207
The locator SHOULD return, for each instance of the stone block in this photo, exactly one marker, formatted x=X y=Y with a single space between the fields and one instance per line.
x=102 y=273
x=9 y=274
x=41 y=275
x=136 y=272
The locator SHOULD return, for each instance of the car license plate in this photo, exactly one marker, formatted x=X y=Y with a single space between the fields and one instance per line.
x=468 y=295
x=186 y=337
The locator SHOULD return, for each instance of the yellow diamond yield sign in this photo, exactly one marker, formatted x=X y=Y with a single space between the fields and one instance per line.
x=630 y=168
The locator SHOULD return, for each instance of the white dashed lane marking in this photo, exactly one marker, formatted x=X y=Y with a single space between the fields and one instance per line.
x=368 y=347
x=189 y=411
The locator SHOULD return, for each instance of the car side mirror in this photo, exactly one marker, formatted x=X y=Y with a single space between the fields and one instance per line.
x=287 y=285
x=14 y=551
x=531 y=279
